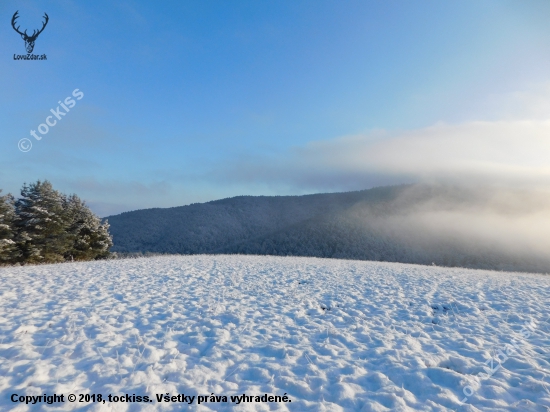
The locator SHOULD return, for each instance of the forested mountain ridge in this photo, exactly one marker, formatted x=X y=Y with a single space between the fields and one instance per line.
x=397 y=224
x=206 y=227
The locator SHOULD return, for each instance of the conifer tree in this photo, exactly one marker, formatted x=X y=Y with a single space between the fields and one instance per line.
x=8 y=249
x=89 y=237
x=41 y=224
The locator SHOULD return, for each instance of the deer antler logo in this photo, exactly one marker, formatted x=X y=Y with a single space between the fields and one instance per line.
x=29 y=40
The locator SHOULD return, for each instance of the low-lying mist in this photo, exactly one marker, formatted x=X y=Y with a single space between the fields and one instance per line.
x=465 y=225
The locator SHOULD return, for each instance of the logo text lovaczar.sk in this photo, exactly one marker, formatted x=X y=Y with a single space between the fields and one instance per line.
x=29 y=39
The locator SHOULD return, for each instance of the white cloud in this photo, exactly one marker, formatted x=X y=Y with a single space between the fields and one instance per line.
x=503 y=152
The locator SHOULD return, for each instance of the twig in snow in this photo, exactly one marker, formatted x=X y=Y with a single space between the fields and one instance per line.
x=46 y=347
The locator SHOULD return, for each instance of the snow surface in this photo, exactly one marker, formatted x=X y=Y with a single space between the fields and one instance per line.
x=334 y=335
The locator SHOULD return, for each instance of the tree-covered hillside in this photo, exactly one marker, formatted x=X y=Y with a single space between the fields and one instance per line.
x=217 y=225
x=409 y=223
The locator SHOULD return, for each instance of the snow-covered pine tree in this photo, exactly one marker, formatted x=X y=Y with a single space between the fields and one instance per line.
x=8 y=249
x=89 y=237
x=41 y=224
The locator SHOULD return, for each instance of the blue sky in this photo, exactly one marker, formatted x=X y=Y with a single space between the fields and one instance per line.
x=198 y=100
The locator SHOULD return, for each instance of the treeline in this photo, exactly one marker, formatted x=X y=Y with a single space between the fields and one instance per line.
x=46 y=226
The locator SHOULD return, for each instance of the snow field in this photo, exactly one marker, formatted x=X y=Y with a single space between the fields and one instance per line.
x=333 y=335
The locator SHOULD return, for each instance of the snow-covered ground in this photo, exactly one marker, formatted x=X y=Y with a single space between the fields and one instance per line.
x=332 y=335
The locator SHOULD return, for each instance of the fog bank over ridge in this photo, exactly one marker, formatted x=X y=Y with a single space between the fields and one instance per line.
x=509 y=153
x=450 y=225
x=513 y=222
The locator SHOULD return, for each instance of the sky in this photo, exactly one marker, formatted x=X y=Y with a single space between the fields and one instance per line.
x=186 y=102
